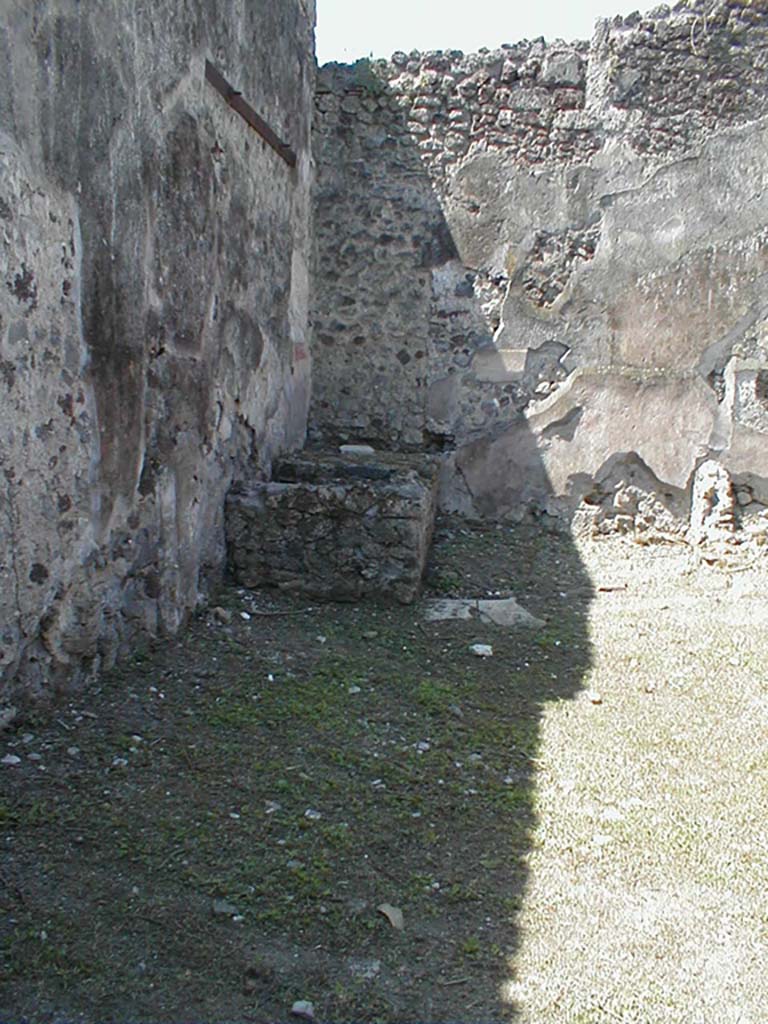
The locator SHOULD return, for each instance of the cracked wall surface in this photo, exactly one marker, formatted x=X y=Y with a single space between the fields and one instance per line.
x=153 y=310
x=548 y=262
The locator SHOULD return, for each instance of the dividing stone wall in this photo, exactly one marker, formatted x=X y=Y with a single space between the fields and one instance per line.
x=153 y=309
x=549 y=262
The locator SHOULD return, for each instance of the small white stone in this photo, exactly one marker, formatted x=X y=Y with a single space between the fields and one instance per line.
x=611 y=814
x=354 y=689
x=7 y=714
x=11 y=759
x=312 y=814
x=356 y=449
x=482 y=650
x=245 y=616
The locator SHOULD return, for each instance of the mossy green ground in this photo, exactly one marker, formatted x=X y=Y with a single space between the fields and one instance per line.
x=554 y=858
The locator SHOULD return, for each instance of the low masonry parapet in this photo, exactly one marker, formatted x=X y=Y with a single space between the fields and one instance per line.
x=336 y=527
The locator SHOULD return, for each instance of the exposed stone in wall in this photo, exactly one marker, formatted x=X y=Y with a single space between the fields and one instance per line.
x=153 y=310
x=676 y=75
x=552 y=259
x=713 y=504
x=588 y=323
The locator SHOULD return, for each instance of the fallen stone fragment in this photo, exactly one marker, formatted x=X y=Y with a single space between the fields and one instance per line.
x=482 y=650
x=507 y=612
x=303 y=1008
x=443 y=610
x=499 y=612
x=393 y=914
x=11 y=759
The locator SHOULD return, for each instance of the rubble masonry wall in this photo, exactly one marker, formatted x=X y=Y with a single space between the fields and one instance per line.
x=153 y=309
x=548 y=262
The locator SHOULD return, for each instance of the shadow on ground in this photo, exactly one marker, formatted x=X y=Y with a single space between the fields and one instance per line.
x=210 y=833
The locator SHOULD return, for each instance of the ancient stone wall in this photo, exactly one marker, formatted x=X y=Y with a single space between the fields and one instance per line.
x=549 y=263
x=153 y=308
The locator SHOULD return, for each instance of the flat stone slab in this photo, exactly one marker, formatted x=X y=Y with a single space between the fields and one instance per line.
x=336 y=526
x=500 y=612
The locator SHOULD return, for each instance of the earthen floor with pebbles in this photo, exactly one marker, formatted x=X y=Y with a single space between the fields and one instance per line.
x=341 y=811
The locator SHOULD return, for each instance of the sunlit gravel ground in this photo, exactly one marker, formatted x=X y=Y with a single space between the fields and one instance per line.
x=648 y=894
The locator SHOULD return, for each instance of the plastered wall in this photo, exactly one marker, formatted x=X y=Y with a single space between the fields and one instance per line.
x=548 y=262
x=153 y=309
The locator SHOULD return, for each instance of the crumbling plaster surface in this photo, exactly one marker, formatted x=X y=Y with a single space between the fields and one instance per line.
x=153 y=309
x=559 y=254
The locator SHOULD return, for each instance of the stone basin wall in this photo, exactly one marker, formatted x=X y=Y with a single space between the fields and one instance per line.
x=336 y=527
x=548 y=262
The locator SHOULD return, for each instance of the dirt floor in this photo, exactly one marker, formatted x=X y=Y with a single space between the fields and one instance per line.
x=342 y=804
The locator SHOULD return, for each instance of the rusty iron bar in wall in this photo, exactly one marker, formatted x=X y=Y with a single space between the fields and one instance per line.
x=248 y=114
